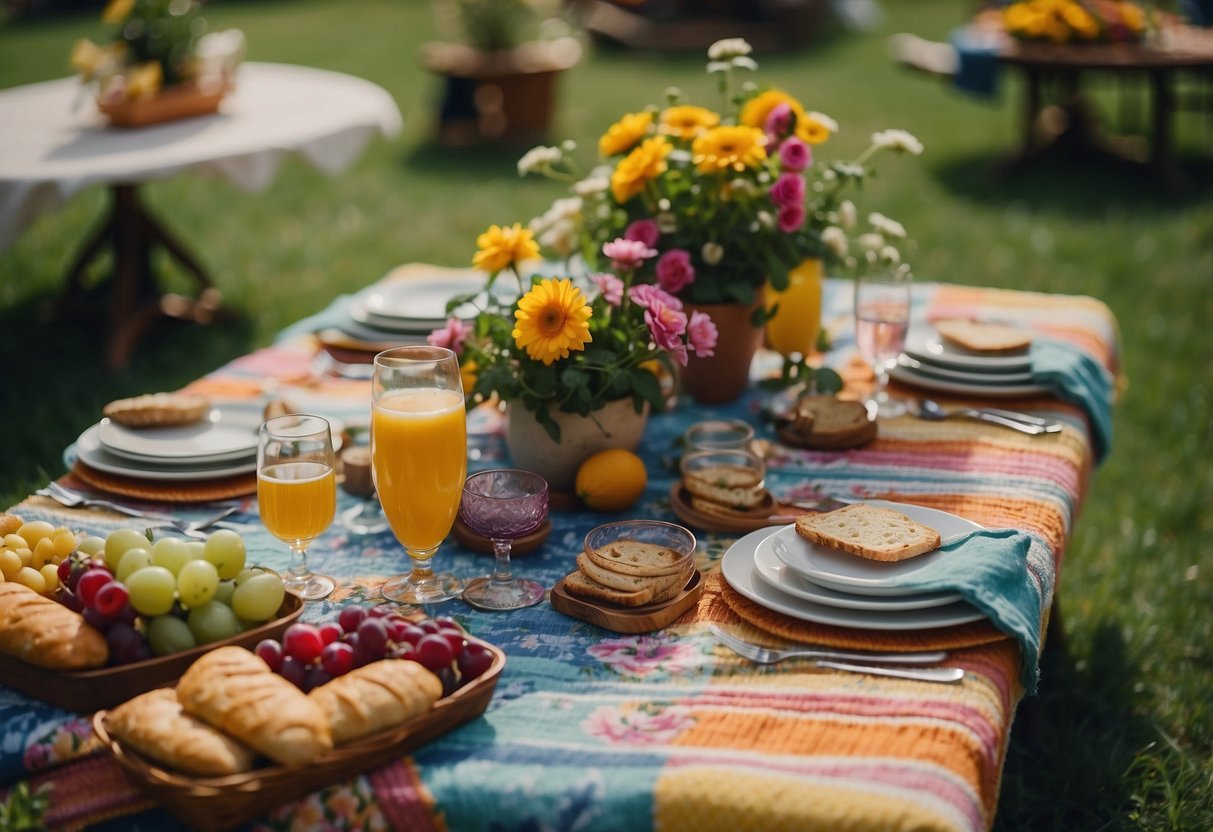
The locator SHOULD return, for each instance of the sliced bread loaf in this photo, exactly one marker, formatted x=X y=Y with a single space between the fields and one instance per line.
x=728 y=485
x=578 y=584
x=870 y=532
x=633 y=557
x=624 y=583
x=981 y=337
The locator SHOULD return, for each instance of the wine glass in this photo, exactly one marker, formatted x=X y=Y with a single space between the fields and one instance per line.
x=297 y=492
x=419 y=461
x=882 y=317
x=503 y=505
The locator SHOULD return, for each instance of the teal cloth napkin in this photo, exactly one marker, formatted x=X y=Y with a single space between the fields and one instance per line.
x=1078 y=378
x=1007 y=574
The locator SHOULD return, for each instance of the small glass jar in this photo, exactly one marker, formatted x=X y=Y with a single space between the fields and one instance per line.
x=718 y=435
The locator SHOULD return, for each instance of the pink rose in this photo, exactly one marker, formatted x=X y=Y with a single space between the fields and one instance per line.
x=627 y=254
x=702 y=334
x=791 y=218
x=645 y=295
x=450 y=336
x=795 y=155
x=788 y=190
x=779 y=122
x=610 y=286
x=643 y=231
x=667 y=323
x=674 y=270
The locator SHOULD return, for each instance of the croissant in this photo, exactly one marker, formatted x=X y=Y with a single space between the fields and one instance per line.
x=45 y=633
x=376 y=696
x=154 y=724
x=235 y=691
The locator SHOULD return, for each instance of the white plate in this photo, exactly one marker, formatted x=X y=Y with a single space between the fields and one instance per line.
x=402 y=326
x=925 y=344
x=738 y=569
x=987 y=389
x=849 y=573
x=774 y=572
x=984 y=377
x=422 y=298
x=225 y=435
x=92 y=454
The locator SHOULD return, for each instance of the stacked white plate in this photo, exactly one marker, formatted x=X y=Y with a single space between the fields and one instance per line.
x=782 y=571
x=932 y=363
x=416 y=306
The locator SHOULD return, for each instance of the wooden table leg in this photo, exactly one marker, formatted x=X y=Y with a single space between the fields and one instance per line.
x=1162 y=107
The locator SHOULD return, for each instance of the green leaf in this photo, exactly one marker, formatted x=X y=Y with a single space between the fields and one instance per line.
x=826 y=381
x=646 y=386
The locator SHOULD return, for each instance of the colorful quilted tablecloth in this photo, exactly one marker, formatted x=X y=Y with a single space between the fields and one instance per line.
x=591 y=730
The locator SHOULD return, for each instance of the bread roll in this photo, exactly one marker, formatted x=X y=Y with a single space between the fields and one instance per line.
x=45 y=633
x=235 y=691
x=154 y=724
x=376 y=696
x=870 y=532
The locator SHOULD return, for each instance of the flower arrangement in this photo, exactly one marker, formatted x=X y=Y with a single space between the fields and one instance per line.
x=157 y=44
x=727 y=199
x=565 y=346
x=1068 y=21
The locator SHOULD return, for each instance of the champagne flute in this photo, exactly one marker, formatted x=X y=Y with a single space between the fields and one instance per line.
x=503 y=505
x=882 y=317
x=297 y=492
x=419 y=461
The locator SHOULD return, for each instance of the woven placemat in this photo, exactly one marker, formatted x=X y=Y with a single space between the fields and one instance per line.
x=196 y=491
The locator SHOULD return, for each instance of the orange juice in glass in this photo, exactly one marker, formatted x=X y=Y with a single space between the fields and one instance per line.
x=419 y=461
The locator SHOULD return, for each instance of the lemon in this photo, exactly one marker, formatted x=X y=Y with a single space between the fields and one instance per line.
x=611 y=480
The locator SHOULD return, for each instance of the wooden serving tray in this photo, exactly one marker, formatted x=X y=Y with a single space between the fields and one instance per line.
x=210 y=803
x=774 y=514
x=88 y=690
x=619 y=619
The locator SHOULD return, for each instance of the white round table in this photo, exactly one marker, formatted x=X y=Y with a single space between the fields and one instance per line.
x=55 y=143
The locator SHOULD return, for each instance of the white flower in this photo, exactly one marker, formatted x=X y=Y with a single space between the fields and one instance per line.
x=870 y=241
x=568 y=145
x=726 y=48
x=560 y=237
x=835 y=239
x=712 y=253
x=847 y=215
x=824 y=120
x=743 y=187
x=890 y=255
x=538 y=159
x=898 y=140
x=663 y=204
x=592 y=185
x=667 y=223
x=848 y=169
x=765 y=219
x=887 y=227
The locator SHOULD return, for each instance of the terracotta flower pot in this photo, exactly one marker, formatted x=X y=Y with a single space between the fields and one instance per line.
x=615 y=425
x=725 y=375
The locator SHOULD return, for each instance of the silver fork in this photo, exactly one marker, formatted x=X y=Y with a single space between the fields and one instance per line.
x=831 y=659
x=72 y=499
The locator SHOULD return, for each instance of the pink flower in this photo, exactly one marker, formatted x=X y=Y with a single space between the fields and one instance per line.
x=702 y=334
x=795 y=155
x=627 y=254
x=788 y=190
x=646 y=295
x=791 y=218
x=610 y=286
x=667 y=325
x=451 y=336
x=649 y=725
x=674 y=270
x=779 y=122
x=641 y=656
x=644 y=231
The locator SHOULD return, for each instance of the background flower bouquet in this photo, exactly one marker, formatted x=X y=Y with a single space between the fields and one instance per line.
x=1081 y=21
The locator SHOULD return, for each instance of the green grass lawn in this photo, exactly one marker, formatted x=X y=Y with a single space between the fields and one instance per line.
x=1121 y=735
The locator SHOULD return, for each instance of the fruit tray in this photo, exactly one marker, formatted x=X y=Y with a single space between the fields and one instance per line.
x=105 y=687
x=212 y=803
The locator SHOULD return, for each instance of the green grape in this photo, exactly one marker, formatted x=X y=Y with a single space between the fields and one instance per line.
x=223 y=592
x=225 y=549
x=244 y=574
x=118 y=542
x=197 y=582
x=197 y=549
x=213 y=621
x=169 y=634
x=93 y=545
x=131 y=561
x=170 y=552
x=152 y=590
x=259 y=597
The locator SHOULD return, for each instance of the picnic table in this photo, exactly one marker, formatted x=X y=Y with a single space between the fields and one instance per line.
x=593 y=730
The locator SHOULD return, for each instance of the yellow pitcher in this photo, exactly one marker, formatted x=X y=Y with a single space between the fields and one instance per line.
x=795 y=326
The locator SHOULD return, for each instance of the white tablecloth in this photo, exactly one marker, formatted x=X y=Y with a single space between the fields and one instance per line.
x=54 y=142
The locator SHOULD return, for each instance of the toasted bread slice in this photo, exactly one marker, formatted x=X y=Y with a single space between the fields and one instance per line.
x=578 y=584
x=825 y=423
x=870 y=532
x=762 y=508
x=728 y=485
x=632 y=557
x=624 y=583
x=977 y=336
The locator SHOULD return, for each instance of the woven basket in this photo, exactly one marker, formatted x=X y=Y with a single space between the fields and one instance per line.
x=213 y=803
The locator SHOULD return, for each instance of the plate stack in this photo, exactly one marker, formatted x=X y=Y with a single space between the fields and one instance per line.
x=933 y=363
x=784 y=572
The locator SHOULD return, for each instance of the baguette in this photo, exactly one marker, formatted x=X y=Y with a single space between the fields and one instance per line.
x=235 y=691
x=45 y=633
x=980 y=337
x=376 y=696
x=870 y=532
x=632 y=557
x=154 y=724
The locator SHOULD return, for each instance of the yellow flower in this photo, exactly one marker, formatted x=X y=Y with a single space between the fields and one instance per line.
x=117 y=11
x=468 y=373
x=729 y=148
x=814 y=128
x=144 y=79
x=501 y=247
x=87 y=57
x=1132 y=16
x=686 y=122
x=623 y=135
x=754 y=113
x=551 y=320
x=1081 y=21
x=638 y=167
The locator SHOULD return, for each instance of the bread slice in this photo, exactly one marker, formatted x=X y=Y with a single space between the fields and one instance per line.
x=621 y=582
x=154 y=410
x=978 y=336
x=633 y=557
x=578 y=584
x=728 y=485
x=827 y=423
x=764 y=507
x=870 y=532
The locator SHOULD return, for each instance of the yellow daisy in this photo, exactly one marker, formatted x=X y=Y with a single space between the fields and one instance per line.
x=755 y=111
x=686 y=122
x=623 y=135
x=638 y=167
x=501 y=247
x=468 y=373
x=87 y=57
x=729 y=148
x=551 y=320
x=117 y=11
x=144 y=79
